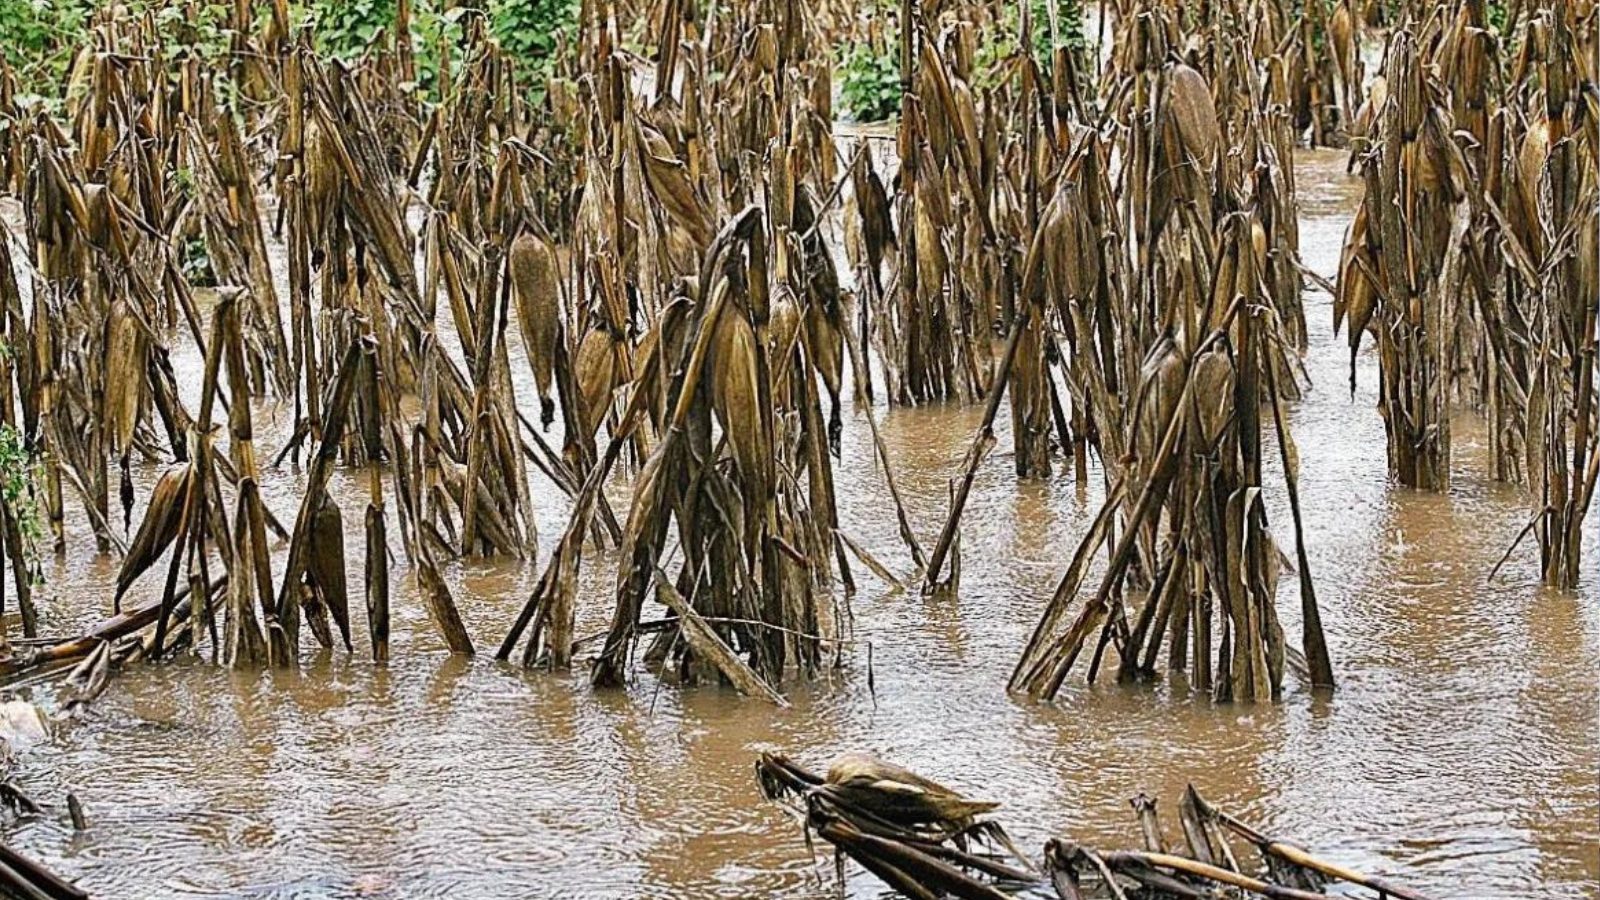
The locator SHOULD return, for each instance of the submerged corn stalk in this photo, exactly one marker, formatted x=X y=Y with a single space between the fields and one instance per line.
x=1207 y=249
x=924 y=840
x=1471 y=259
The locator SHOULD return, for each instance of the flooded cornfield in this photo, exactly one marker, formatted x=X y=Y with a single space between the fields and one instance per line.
x=837 y=537
x=1461 y=751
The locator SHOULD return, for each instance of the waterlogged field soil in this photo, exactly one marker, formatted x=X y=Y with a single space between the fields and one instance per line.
x=1460 y=754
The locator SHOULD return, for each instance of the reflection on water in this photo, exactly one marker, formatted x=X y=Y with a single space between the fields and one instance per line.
x=1460 y=754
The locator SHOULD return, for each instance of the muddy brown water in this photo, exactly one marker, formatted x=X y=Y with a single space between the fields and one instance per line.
x=1460 y=754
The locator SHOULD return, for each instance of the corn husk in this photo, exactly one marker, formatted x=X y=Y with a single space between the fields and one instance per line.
x=326 y=564
x=160 y=526
x=126 y=351
x=735 y=395
x=1190 y=101
x=595 y=368
x=536 y=281
x=900 y=795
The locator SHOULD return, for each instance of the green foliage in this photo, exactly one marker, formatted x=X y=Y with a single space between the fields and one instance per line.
x=430 y=30
x=344 y=28
x=528 y=30
x=1497 y=14
x=37 y=37
x=19 y=475
x=196 y=263
x=532 y=30
x=869 y=83
x=1069 y=25
x=40 y=38
x=870 y=76
x=207 y=35
x=1069 y=33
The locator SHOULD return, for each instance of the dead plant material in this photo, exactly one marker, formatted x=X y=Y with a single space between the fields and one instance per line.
x=923 y=840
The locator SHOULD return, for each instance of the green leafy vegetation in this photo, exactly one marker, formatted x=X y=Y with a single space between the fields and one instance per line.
x=205 y=32
x=532 y=30
x=1069 y=33
x=38 y=37
x=869 y=83
x=1498 y=16
x=19 y=477
x=431 y=30
x=345 y=27
x=869 y=75
x=196 y=263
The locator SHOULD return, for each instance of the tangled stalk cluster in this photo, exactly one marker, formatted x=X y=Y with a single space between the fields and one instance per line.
x=1472 y=260
x=699 y=270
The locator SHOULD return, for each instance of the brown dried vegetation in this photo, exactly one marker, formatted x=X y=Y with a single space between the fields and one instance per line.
x=699 y=268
